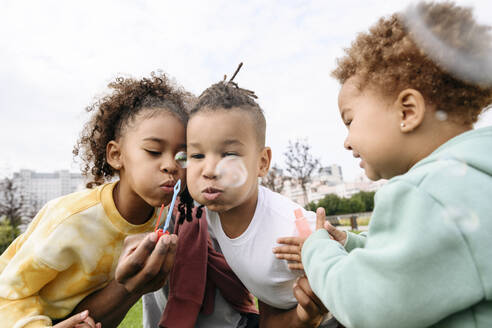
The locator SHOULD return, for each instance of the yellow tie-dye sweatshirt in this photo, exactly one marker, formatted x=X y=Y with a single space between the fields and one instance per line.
x=69 y=250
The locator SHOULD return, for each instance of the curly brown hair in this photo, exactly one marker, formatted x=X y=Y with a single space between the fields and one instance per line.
x=114 y=112
x=388 y=58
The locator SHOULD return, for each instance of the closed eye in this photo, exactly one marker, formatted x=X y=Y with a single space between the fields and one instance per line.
x=153 y=152
x=230 y=153
x=197 y=156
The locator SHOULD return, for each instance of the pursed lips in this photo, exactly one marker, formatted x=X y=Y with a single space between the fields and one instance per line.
x=211 y=193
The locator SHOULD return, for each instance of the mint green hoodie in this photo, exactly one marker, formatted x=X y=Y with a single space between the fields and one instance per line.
x=427 y=257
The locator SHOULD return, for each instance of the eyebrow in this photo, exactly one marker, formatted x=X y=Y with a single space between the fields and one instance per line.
x=226 y=142
x=232 y=142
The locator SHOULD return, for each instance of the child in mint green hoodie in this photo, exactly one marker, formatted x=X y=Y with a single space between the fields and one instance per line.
x=427 y=257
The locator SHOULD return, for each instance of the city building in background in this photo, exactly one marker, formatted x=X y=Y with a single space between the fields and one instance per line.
x=329 y=180
x=40 y=188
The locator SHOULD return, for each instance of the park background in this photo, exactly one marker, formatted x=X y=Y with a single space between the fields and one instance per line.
x=57 y=57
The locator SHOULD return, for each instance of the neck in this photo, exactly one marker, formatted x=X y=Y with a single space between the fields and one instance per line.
x=435 y=136
x=131 y=206
x=236 y=220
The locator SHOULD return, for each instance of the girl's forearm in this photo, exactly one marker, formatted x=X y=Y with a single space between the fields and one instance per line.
x=108 y=305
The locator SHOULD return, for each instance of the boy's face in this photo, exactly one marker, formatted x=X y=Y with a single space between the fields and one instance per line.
x=373 y=130
x=147 y=157
x=213 y=135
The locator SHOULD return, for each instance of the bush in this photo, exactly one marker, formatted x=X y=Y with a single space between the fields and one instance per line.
x=7 y=235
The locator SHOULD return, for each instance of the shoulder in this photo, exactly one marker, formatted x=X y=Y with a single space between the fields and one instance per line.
x=59 y=209
x=273 y=203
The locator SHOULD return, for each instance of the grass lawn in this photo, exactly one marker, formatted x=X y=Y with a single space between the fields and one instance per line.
x=133 y=318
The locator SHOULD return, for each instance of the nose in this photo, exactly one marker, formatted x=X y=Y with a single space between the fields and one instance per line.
x=169 y=165
x=346 y=144
x=209 y=169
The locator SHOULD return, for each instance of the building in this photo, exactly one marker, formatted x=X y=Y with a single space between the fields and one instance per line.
x=40 y=188
x=329 y=180
x=326 y=181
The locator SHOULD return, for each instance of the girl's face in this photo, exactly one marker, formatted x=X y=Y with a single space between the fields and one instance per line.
x=149 y=144
x=373 y=131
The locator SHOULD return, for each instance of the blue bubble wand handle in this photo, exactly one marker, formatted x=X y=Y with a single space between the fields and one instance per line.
x=177 y=187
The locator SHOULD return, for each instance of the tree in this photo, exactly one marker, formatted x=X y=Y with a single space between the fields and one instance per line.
x=14 y=207
x=274 y=179
x=7 y=235
x=367 y=198
x=331 y=204
x=301 y=164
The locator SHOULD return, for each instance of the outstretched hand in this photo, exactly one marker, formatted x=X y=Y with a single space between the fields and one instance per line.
x=79 y=320
x=146 y=262
x=292 y=246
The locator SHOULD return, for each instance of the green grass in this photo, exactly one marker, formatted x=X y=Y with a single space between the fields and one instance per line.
x=133 y=318
x=362 y=221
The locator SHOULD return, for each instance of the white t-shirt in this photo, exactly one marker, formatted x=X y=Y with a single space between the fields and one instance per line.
x=250 y=255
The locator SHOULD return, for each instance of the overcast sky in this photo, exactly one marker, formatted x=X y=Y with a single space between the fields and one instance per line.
x=57 y=56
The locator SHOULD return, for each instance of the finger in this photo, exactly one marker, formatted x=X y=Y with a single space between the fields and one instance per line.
x=81 y=325
x=286 y=250
x=171 y=254
x=90 y=322
x=305 y=302
x=303 y=283
x=135 y=262
x=296 y=266
x=290 y=240
x=338 y=234
x=289 y=257
x=157 y=259
x=98 y=325
x=73 y=320
x=320 y=218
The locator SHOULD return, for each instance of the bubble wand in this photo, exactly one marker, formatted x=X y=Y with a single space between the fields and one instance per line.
x=161 y=232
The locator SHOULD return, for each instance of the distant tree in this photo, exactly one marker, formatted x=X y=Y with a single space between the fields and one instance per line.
x=301 y=164
x=367 y=198
x=350 y=205
x=14 y=207
x=7 y=235
x=274 y=180
x=331 y=204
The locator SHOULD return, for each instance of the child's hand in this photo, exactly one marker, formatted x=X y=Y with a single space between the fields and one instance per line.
x=322 y=223
x=80 y=320
x=146 y=262
x=291 y=251
x=310 y=309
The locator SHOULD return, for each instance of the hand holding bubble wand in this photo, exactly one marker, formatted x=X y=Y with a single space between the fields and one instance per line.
x=161 y=232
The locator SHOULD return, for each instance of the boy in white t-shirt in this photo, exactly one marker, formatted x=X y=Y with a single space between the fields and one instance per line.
x=226 y=155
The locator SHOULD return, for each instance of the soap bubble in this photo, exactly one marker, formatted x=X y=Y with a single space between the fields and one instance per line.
x=441 y=115
x=466 y=219
x=468 y=60
x=181 y=158
x=231 y=172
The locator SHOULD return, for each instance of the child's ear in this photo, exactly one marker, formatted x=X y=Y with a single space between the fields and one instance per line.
x=113 y=155
x=265 y=159
x=411 y=107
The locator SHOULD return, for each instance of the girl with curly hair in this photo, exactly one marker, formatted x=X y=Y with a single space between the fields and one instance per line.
x=71 y=248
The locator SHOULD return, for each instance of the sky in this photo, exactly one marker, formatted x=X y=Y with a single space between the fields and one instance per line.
x=57 y=57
